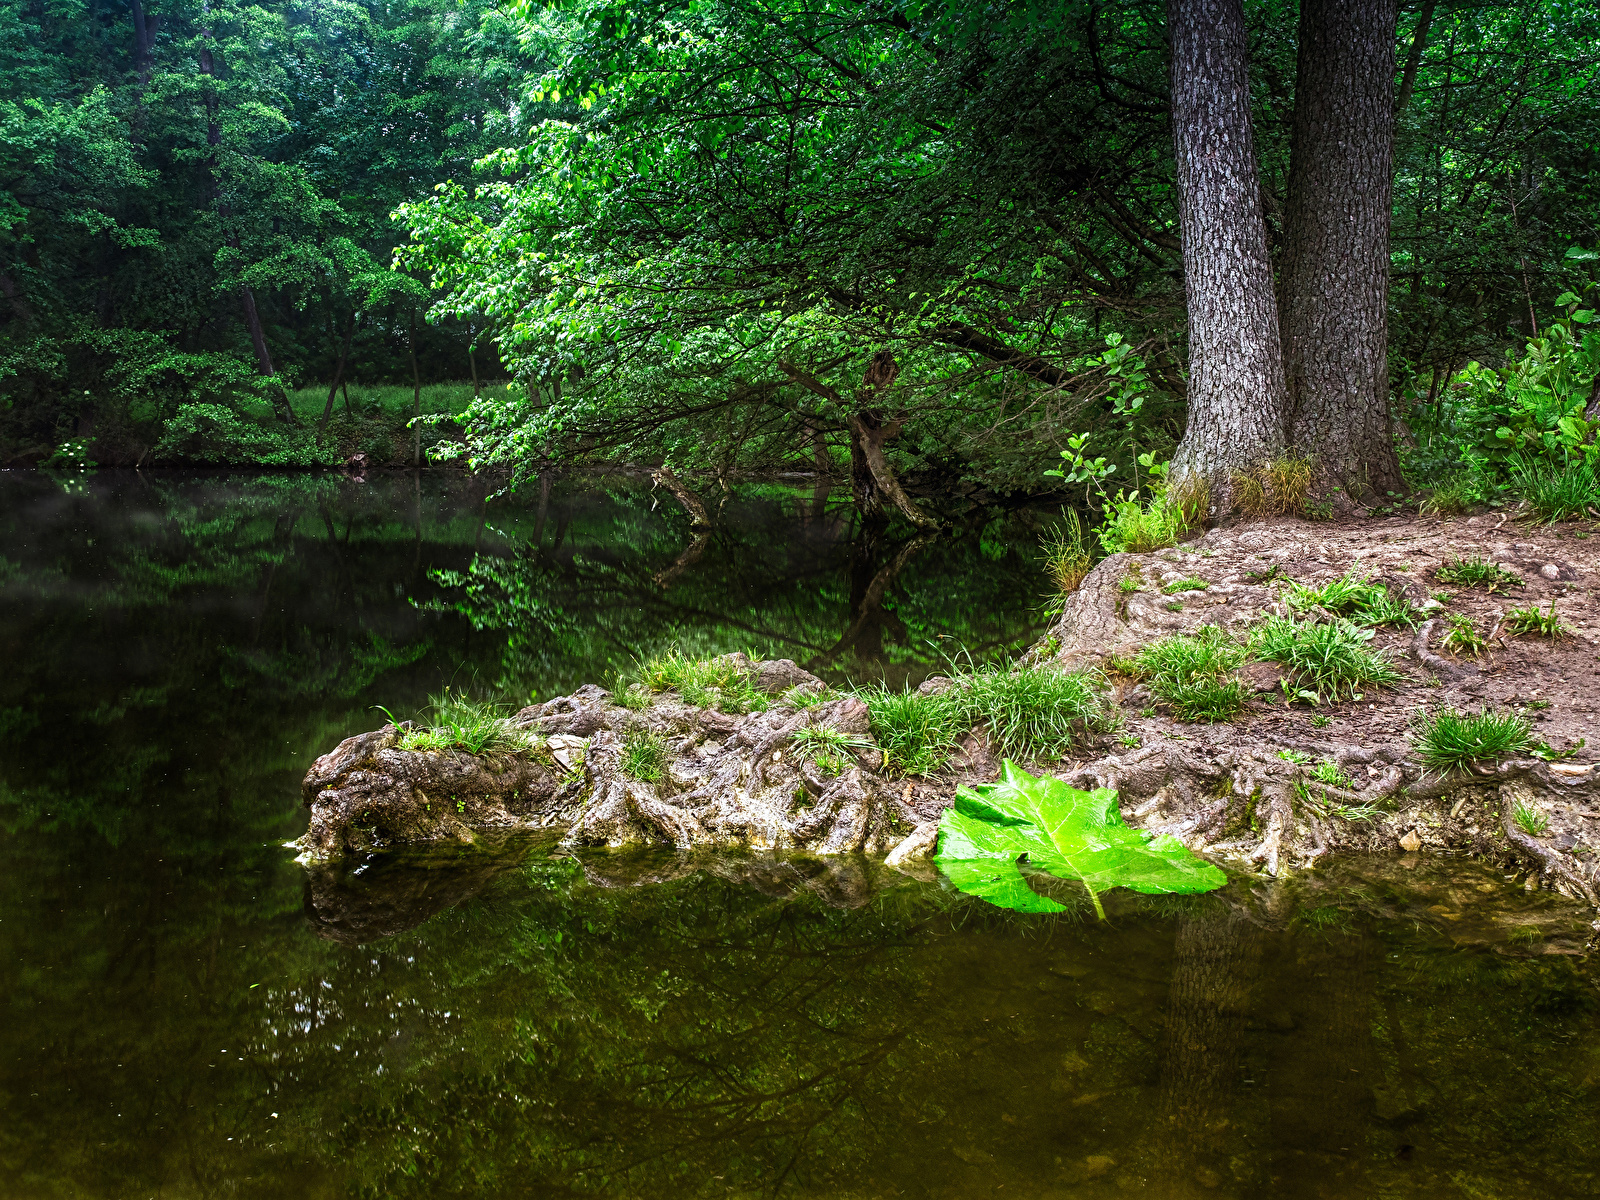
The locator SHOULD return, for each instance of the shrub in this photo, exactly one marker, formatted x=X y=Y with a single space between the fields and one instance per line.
x=644 y=755
x=1476 y=571
x=1194 y=674
x=1449 y=739
x=1333 y=659
x=1557 y=491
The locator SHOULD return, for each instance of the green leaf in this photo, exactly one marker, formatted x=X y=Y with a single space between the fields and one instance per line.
x=1061 y=830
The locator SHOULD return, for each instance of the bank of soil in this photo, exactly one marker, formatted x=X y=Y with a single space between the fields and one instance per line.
x=1231 y=790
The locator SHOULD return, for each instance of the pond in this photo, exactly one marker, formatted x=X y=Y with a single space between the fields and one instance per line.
x=191 y=1013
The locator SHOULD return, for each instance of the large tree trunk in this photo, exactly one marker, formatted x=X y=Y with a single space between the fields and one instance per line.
x=1236 y=392
x=1335 y=269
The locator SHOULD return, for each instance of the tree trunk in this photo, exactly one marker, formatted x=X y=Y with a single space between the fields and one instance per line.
x=1335 y=268
x=416 y=398
x=691 y=503
x=870 y=439
x=1236 y=392
x=338 y=375
x=472 y=361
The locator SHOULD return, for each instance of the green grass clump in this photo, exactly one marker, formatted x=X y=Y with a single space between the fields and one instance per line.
x=1140 y=528
x=1529 y=819
x=816 y=738
x=1355 y=596
x=1531 y=620
x=644 y=755
x=1186 y=585
x=916 y=731
x=1031 y=710
x=703 y=682
x=1463 y=637
x=1455 y=496
x=1476 y=571
x=635 y=696
x=1028 y=711
x=1331 y=659
x=1194 y=674
x=807 y=697
x=1562 y=492
x=1449 y=739
x=475 y=727
x=1066 y=554
x=1330 y=774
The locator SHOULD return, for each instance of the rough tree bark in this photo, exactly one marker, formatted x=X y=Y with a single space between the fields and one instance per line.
x=1335 y=270
x=1236 y=391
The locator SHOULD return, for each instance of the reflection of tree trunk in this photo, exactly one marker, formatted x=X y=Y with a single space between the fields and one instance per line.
x=867 y=588
x=544 y=508
x=1213 y=968
x=691 y=555
x=1324 y=1072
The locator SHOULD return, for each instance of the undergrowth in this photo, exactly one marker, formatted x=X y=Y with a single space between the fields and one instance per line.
x=1557 y=491
x=1277 y=488
x=1531 y=620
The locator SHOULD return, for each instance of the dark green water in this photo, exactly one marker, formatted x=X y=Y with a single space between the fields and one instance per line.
x=189 y=1013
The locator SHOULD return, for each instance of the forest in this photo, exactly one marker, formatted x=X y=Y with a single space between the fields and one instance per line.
x=942 y=244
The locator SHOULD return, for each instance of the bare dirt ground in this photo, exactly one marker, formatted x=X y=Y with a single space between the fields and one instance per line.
x=1227 y=788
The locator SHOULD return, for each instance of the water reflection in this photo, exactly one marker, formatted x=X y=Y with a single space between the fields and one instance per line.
x=189 y=1013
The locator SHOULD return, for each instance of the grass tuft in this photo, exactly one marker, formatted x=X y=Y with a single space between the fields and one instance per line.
x=1029 y=711
x=1067 y=559
x=1276 y=488
x=1532 y=821
x=1138 y=528
x=1333 y=659
x=1476 y=571
x=476 y=727
x=1186 y=585
x=1448 y=739
x=1563 y=492
x=703 y=682
x=1531 y=620
x=1194 y=674
x=1463 y=636
x=917 y=731
x=644 y=755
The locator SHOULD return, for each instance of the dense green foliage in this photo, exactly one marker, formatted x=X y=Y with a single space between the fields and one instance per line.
x=151 y=183
x=687 y=230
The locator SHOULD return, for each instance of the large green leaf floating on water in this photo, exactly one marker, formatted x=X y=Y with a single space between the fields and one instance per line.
x=1059 y=829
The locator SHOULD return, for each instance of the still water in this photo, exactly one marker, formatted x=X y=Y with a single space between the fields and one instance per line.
x=188 y=1013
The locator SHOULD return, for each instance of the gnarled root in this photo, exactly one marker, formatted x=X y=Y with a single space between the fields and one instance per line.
x=1565 y=872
